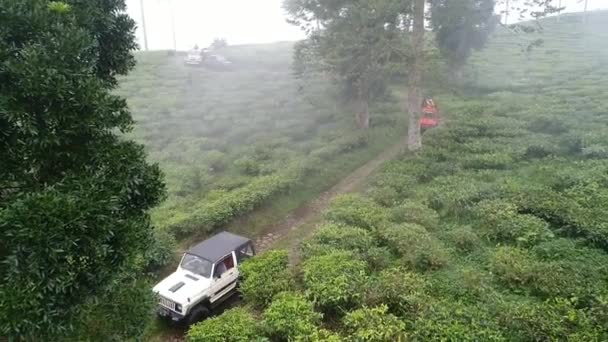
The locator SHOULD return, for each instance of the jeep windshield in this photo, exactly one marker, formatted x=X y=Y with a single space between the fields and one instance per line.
x=196 y=265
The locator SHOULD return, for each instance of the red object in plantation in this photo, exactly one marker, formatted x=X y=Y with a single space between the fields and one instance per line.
x=428 y=122
x=430 y=114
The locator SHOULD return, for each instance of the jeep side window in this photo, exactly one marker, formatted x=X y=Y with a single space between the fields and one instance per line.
x=223 y=265
x=244 y=253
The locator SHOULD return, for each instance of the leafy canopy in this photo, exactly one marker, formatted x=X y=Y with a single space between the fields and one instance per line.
x=74 y=193
x=359 y=42
x=461 y=26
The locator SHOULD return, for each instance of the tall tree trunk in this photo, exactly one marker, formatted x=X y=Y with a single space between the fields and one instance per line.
x=362 y=108
x=414 y=98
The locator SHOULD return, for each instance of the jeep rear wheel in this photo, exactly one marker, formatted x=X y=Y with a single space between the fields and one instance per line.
x=197 y=314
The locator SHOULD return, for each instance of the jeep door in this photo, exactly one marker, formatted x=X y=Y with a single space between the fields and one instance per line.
x=225 y=276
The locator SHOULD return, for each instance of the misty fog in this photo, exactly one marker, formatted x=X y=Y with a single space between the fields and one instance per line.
x=303 y=170
x=241 y=21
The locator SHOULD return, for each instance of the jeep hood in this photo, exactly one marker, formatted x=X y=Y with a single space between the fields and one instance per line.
x=182 y=285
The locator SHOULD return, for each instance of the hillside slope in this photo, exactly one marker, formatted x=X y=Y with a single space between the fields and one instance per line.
x=502 y=217
x=496 y=231
x=229 y=140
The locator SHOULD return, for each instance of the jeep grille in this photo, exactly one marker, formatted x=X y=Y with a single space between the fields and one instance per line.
x=166 y=303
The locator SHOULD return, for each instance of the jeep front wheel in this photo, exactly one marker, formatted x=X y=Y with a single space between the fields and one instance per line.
x=197 y=314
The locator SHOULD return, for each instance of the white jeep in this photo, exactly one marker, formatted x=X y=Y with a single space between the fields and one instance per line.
x=207 y=274
x=195 y=56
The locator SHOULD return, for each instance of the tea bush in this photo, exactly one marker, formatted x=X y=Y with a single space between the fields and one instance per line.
x=290 y=315
x=539 y=150
x=416 y=246
x=358 y=211
x=488 y=161
x=567 y=279
x=513 y=266
x=465 y=283
x=455 y=195
x=331 y=237
x=220 y=211
x=554 y=319
x=319 y=335
x=400 y=182
x=378 y=258
x=248 y=165
x=566 y=249
x=335 y=281
x=374 y=325
x=402 y=291
x=445 y=320
x=264 y=276
x=216 y=160
x=411 y=212
x=500 y=222
x=234 y=325
x=575 y=212
x=464 y=239
x=353 y=141
x=385 y=196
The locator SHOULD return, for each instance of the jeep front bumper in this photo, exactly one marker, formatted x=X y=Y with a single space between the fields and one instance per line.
x=165 y=312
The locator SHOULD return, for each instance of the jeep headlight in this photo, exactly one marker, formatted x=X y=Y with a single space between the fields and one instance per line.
x=178 y=307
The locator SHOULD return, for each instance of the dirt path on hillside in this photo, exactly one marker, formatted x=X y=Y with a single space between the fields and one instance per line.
x=308 y=213
x=313 y=210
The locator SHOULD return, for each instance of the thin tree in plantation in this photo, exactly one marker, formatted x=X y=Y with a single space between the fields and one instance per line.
x=414 y=96
x=74 y=192
x=358 y=41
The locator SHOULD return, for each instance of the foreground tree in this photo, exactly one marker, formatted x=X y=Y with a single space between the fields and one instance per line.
x=74 y=194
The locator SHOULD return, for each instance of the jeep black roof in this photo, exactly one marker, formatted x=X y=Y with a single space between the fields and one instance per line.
x=218 y=246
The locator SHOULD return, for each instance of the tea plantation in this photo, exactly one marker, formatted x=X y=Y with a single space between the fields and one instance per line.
x=228 y=140
x=496 y=231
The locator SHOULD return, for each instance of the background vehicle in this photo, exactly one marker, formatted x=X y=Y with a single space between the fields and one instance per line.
x=196 y=56
x=207 y=274
x=215 y=61
x=207 y=57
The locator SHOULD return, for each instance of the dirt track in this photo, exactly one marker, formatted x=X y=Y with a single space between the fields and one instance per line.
x=312 y=210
